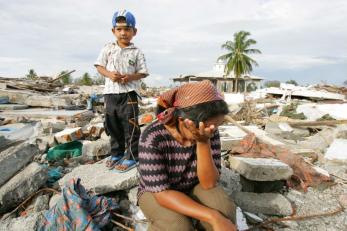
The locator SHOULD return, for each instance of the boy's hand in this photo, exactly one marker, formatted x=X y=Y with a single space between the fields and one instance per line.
x=201 y=134
x=126 y=78
x=115 y=76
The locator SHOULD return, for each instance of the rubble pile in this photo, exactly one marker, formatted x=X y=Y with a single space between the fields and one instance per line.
x=296 y=167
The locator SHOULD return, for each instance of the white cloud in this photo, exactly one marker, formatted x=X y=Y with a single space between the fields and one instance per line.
x=177 y=37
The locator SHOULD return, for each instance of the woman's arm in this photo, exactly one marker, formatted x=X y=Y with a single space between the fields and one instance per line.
x=206 y=169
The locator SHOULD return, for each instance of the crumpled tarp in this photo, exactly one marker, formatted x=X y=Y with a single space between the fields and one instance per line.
x=77 y=210
x=61 y=151
x=304 y=174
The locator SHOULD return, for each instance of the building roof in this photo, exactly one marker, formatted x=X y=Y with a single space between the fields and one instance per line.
x=217 y=73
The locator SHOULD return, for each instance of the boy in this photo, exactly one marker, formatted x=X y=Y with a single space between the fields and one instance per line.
x=123 y=65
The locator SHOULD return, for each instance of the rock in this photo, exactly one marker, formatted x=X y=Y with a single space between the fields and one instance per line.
x=266 y=203
x=230 y=180
x=132 y=195
x=228 y=142
x=54 y=199
x=260 y=169
x=13 y=106
x=99 y=179
x=69 y=134
x=95 y=130
x=19 y=187
x=320 y=141
x=29 y=223
x=337 y=151
x=343 y=200
x=98 y=148
x=15 y=158
x=252 y=218
x=241 y=220
x=53 y=125
x=41 y=203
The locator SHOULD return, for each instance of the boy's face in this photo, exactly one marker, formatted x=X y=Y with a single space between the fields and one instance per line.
x=124 y=34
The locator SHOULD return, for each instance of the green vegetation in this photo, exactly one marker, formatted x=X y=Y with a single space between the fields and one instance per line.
x=273 y=83
x=292 y=82
x=238 y=59
x=32 y=75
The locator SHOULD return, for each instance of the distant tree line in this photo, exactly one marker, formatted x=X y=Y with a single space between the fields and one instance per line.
x=85 y=79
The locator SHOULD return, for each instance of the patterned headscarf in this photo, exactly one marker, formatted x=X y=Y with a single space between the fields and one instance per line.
x=187 y=95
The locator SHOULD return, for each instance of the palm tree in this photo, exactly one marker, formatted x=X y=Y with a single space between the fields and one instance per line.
x=238 y=59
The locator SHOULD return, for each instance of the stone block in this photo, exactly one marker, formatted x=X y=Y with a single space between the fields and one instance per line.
x=265 y=203
x=19 y=187
x=260 y=169
x=98 y=148
x=98 y=179
x=69 y=134
x=15 y=158
x=29 y=223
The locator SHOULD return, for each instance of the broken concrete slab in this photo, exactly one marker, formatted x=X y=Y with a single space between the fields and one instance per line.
x=29 y=223
x=95 y=149
x=68 y=135
x=53 y=125
x=19 y=187
x=98 y=179
x=13 y=106
x=43 y=113
x=337 y=151
x=321 y=140
x=95 y=130
x=230 y=180
x=41 y=203
x=265 y=203
x=15 y=158
x=260 y=169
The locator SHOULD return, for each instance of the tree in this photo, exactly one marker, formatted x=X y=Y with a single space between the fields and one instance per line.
x=273 y=83
x=66 y=79
x=292 y=82
x=85 y=80
x=32 y=74
x=238 y=59
x=98 y=79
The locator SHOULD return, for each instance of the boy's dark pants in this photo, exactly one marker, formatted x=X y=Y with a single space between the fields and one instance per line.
x=121 y=123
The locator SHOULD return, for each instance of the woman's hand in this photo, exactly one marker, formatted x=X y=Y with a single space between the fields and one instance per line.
x=220 y=223
x=201 y=134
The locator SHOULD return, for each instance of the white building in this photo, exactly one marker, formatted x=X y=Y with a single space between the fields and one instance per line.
x=223 y=82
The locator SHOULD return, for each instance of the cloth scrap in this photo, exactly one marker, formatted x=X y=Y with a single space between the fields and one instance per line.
x=304 y=174
x=77 y=210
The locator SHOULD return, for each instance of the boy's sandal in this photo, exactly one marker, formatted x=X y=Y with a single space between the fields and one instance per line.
x=129 y=164
x=112 y=161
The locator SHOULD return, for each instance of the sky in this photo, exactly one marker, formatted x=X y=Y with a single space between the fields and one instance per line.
x=303 y=40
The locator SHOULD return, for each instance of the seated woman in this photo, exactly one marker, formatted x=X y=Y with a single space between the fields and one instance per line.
x=180 y=162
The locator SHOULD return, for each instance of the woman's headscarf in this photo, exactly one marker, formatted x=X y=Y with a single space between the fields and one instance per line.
x=187 y=95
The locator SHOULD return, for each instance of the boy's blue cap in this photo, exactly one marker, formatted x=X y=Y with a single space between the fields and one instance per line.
x=129 y=19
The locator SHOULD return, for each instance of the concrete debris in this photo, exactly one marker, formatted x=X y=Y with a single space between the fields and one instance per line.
x=14 y=159
x=68 y=135
x=41 y=203
x=29 y=223
x=265 y=203
x=337 y=151
x=96 y=149
x=19 y=187
x=260 y=169
x=99 y=179
x=13 y=106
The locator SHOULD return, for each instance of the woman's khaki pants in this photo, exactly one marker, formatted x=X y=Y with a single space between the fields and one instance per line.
x=163 y=219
